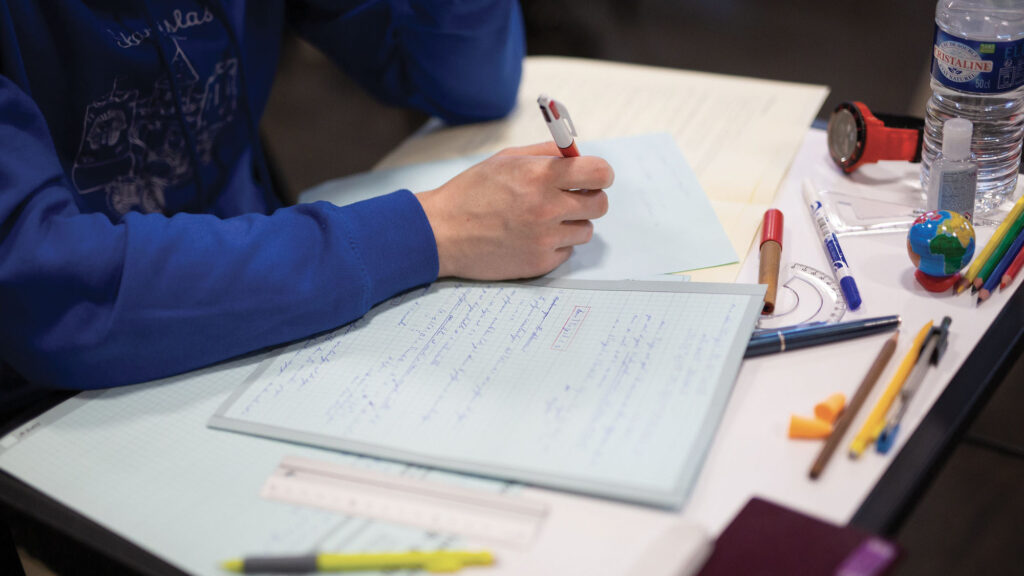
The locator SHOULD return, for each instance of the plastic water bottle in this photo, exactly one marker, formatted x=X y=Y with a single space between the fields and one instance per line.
x=978 y=74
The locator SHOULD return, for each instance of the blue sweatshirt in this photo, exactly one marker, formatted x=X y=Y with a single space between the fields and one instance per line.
x=138 y=234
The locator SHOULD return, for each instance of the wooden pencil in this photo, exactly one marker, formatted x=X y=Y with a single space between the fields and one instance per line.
x=846 y=418
x=1001 y=268
x=982 y=257
x=996 y=256
x=1012 y=271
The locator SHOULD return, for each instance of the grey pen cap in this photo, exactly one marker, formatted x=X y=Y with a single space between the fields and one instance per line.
x=306 y=563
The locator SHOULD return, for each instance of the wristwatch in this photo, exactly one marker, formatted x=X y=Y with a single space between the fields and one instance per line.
x=856 y=136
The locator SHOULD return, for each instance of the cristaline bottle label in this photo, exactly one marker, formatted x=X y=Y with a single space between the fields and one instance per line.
x=980 y=67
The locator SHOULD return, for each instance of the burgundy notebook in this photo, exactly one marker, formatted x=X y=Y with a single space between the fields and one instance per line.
x=766 y=539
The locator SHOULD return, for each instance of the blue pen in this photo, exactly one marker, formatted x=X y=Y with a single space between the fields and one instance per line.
x=840 y=267
x=794 y=337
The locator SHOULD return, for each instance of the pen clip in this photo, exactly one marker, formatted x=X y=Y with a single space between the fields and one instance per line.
x=941 y=336
x=942 y=333
x=761 y=332
x=561 y=114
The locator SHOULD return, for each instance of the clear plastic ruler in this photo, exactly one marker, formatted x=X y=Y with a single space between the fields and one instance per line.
x=431 y=505
x=807 y=296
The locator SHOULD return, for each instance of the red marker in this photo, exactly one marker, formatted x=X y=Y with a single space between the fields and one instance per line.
x=556 y=115
x=771 y=257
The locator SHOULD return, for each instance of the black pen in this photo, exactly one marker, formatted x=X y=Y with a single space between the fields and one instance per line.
x=770 y=342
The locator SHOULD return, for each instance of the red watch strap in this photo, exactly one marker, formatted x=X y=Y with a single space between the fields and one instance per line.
x=884 y=143
x=890 y=137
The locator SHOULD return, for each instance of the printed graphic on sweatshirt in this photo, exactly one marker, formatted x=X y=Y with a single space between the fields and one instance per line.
x=134 y=146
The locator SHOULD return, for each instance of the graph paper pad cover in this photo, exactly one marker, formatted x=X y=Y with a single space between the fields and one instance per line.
x=606 y=388
x=140 y=461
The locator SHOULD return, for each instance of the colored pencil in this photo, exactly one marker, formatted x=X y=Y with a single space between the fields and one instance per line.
x=981 y=258
x=846 y=418
x=997 y=255
x=1000 y=269
x=1012 y=271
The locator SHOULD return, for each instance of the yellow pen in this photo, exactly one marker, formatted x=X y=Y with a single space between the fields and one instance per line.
x=435 y=561
x=875 y=423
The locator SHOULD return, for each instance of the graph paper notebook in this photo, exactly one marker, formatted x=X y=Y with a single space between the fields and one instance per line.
x=612 y=389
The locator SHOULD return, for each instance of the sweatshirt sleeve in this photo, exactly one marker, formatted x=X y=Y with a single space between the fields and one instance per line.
x=88 y=303
x=459 y=60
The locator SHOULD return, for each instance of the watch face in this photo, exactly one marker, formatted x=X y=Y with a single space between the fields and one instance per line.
x=843 y=137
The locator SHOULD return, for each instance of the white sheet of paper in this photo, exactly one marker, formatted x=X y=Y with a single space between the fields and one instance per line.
x=659 y=220
x=605 y=388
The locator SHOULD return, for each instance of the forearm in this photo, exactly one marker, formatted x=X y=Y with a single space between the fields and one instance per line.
x=99 y=304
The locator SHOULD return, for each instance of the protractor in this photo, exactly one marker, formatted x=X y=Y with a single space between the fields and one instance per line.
x=806 y=296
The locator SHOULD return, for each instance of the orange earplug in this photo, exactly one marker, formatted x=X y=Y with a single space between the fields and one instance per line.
x=830 y=408
x=800 y=427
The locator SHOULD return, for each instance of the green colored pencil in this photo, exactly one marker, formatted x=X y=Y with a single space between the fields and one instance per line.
x=972 y=270
x=997 y=254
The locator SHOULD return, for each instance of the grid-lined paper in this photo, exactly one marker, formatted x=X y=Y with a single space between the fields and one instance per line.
x=614 y=392
x=141 y=461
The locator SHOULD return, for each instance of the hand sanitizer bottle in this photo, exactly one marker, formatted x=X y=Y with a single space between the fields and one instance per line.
x=954 y=173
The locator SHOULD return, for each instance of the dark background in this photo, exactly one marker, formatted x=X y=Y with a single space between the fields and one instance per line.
x=320 y=126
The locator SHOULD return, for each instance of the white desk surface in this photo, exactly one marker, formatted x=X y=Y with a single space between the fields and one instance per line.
x=752 y=454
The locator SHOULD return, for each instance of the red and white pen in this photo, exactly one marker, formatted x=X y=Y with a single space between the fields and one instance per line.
x=556 y=115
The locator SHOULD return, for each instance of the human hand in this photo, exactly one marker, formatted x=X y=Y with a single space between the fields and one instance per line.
x=517 y=214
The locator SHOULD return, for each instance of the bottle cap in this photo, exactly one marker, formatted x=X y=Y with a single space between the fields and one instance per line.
x=956 y=138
